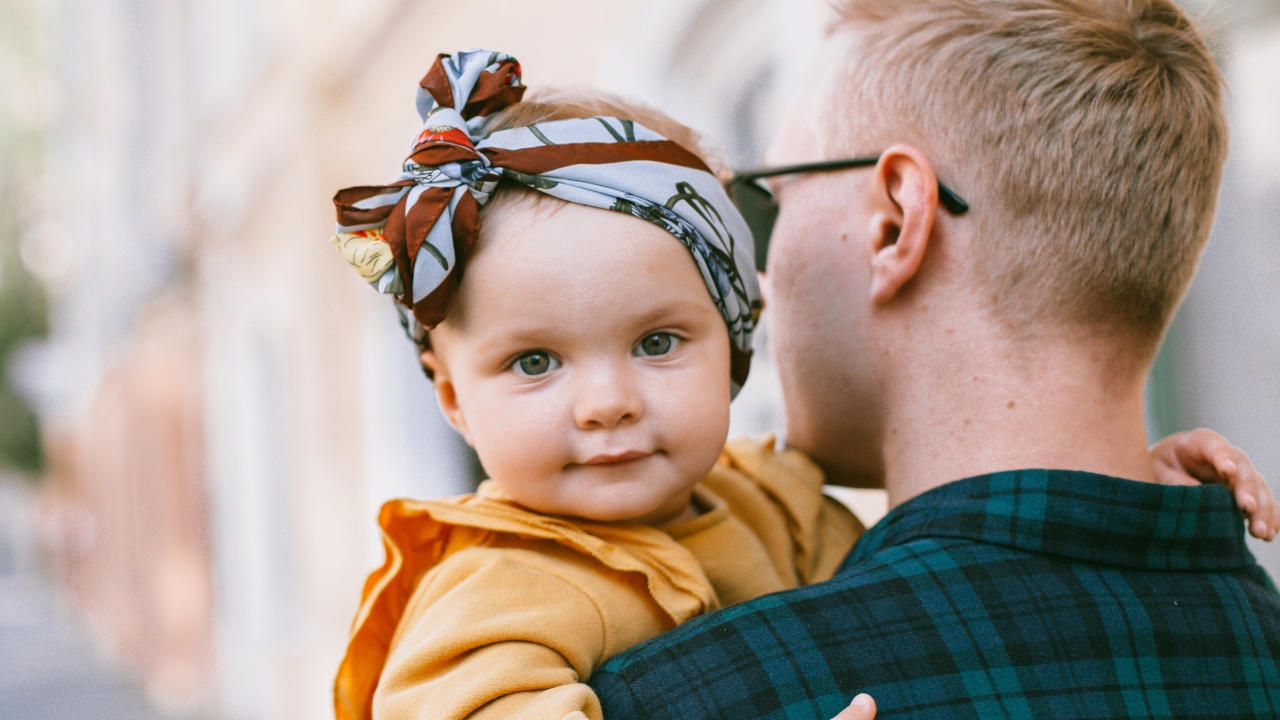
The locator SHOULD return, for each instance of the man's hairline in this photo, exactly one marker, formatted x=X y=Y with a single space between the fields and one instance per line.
x=823 y=101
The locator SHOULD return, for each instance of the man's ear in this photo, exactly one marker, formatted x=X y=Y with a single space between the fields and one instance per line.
x=446 y=395
x=904 y=203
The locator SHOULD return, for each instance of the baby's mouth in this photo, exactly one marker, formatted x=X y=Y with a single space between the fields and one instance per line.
x=616 y=458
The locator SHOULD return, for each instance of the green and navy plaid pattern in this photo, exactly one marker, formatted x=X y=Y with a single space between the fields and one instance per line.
x=1030 y=594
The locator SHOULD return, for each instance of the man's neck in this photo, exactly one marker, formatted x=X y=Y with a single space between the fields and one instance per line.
x=1034 y=404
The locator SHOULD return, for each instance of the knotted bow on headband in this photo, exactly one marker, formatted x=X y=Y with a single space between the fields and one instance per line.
x=411 y=238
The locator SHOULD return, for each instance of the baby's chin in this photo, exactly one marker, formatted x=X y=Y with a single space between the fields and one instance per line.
x=652 y=513
x=606 y=500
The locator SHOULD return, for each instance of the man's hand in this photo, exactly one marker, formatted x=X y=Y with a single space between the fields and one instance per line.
x=862 y=708
x=1190 y=458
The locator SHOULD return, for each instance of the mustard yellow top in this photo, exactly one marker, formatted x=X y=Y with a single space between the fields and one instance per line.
x=483 y=609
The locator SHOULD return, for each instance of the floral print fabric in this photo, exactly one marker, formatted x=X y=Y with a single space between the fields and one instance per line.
x=411 y=238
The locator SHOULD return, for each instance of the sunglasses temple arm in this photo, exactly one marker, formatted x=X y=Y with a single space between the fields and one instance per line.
x=951 y=201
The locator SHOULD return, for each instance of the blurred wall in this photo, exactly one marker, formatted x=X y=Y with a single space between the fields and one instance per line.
x=125 y=513
x=226 y=404
x=1224 y=351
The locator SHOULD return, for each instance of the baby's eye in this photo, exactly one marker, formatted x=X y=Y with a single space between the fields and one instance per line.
x=656 y=345
x=535 y=363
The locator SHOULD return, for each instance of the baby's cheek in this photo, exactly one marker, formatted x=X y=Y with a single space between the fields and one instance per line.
x=694 y=421
x=522 y=442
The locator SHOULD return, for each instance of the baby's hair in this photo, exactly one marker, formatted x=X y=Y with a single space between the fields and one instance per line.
x=1089 y=136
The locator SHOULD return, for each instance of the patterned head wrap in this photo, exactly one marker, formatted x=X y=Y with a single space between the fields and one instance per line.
x=411 y=238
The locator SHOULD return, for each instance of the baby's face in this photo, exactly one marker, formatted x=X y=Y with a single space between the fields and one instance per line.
x=584 y=360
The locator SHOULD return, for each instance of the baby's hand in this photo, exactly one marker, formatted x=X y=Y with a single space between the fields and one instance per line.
x=1189 y=458
x=862 y=708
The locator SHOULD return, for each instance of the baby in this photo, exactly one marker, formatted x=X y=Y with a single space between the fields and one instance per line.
x=590 y=359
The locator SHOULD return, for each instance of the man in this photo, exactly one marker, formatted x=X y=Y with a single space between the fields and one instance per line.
x=988 y=366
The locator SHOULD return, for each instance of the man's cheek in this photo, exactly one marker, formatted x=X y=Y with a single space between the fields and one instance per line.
x=800 y=283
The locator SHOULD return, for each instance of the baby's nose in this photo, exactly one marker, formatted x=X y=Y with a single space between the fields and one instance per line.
x=606 y=399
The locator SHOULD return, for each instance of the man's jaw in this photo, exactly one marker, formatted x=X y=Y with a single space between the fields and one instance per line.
x=863 y=469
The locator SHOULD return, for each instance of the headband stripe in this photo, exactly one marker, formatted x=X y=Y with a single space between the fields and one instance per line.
x=420 y=220
x=538 y=160
x=364 y=205
x=395 y=227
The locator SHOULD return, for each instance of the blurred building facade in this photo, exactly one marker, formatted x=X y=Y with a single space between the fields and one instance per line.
x=226 y=404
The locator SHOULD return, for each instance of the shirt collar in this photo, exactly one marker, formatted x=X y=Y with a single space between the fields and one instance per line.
x=1076 y=515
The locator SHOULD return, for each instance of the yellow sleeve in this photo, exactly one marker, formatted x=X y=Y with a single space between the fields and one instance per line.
x=779 y=496
x=487 y=636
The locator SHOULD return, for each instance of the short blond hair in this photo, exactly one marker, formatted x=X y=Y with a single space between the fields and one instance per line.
x=1089 y=136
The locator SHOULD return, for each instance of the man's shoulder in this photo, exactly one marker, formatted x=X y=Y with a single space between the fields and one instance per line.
x=858 y=592
x=780 y=644
x=940 y=622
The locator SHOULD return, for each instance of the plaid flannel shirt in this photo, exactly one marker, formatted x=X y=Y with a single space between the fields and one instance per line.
x=1022 y=594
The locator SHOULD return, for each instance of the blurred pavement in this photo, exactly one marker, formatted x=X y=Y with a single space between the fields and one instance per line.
x=49 y=667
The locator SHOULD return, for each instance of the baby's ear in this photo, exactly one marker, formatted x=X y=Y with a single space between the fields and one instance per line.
x=431 y=363
x=446 y=394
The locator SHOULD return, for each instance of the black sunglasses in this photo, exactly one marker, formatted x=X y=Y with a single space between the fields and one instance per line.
x=758 y=206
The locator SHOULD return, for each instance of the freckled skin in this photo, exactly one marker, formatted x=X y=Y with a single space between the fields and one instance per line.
x=585 y=287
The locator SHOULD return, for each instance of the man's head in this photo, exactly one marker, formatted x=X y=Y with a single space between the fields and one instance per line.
x=1088 y=136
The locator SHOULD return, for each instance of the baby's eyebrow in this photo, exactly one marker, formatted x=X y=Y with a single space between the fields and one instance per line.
x=539 y=333
x=665 y=311
x=530 y=335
